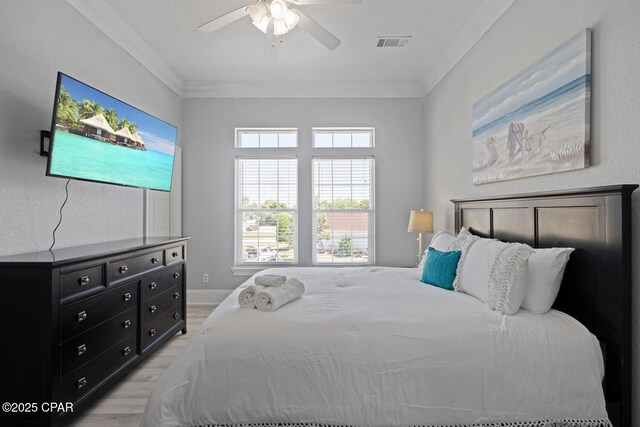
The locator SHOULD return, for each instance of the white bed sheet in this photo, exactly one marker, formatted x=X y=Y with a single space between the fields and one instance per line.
x=376 y=347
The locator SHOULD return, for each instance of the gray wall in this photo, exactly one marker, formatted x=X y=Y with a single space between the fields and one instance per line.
x=164 y=210
x=208 y=175
x=38 y=38
x=526 y=32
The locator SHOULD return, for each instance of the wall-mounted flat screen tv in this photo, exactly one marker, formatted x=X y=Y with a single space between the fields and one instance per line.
x=95 y=137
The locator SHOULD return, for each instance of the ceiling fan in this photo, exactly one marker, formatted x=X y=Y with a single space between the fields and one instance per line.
x=276 y=18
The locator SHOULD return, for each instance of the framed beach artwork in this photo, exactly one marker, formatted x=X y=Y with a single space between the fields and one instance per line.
x=538 y=122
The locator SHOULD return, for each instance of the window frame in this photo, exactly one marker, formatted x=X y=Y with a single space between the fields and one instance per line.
x=262 y=130
x=371 y=260
x=350 y=130
x=238 y=211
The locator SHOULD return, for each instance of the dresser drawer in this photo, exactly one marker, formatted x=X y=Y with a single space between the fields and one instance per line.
x=81 y=349
x=128 y=267
x=155 y=284
x=174 y=254
x=89 y=376
x=81 y=316
x=153 y=331
x=156 y=306
x=80 y=280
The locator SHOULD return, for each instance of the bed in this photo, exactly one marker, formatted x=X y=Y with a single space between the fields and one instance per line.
x=376 y=347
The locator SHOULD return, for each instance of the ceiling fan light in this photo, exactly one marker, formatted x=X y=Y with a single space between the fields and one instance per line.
x=262 y=24
x=257 y=11
x=278 y=9
x=291 y=18
x=280 y=27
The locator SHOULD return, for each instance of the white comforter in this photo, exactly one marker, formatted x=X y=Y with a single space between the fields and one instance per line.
x=375 y=347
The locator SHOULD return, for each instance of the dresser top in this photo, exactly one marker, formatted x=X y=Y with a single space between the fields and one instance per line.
x=86 y=252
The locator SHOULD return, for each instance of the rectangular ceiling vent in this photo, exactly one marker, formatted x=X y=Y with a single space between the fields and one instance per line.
x=393 y=41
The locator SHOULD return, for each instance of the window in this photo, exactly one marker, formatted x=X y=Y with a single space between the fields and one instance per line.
x=343 y=137
x=266 y=210
x=266 y=138
x=343 y=211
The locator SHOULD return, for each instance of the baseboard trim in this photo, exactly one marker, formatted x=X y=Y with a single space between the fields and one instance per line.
x=207 y=296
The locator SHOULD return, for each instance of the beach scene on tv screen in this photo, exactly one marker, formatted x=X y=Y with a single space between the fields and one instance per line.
x=99 y=138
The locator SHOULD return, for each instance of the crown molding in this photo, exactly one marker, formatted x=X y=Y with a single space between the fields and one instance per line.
x=488 y=13
x=302 y=90
x=111 y=24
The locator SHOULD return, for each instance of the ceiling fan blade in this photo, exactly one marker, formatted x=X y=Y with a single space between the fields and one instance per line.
x=270 y=42
x=318 y=32
x=306 y=2
x=221 y=21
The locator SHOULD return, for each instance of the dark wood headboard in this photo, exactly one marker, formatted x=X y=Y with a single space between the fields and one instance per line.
x=596 y=289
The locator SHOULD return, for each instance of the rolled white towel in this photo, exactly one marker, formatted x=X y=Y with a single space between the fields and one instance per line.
x=270 y=280
x=247 y=296
x=271 y=298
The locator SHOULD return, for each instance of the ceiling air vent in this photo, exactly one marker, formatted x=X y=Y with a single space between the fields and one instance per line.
x=393 y=41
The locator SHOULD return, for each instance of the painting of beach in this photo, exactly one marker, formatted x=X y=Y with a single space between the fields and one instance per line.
x=99 y=138
x=539 y=121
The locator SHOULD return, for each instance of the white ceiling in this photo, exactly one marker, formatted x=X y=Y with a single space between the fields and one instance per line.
x=165 y=35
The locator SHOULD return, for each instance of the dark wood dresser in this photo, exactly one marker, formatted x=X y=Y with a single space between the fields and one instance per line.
x=78 y=319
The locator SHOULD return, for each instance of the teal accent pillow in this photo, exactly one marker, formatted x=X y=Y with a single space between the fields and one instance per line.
x=440 y=268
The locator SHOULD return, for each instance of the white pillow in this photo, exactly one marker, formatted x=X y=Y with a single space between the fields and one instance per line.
x=464 y=233
x=494 y=272
x=546 y=269
x=444 y=242
x=440 y=241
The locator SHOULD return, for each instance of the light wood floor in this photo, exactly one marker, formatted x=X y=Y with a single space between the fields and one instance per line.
x=123 y=405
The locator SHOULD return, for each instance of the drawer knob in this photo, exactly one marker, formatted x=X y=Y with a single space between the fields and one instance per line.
x=84 y=280
x=175 y=254
x=176 y=295
x=126 y=324
x=176 y=275
x=123 y=269
x=176 y=315
x=152 y=332
x=152 y=309
x=126 y=351
x=152 y=285
x=154 y=260
x=81 y=383
x=82 y=316
x=82 y=349
x=127 y=296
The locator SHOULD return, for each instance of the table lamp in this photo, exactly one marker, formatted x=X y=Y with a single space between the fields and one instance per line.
x=420 y=222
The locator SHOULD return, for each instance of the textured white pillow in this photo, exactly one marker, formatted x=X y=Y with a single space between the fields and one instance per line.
x=495 y=272
x=546 y=269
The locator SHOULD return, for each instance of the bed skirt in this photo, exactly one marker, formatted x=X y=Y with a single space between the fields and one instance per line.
x=546 y=423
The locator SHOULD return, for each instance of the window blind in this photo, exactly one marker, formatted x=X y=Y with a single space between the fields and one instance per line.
x=266 y=210
x=343 y=211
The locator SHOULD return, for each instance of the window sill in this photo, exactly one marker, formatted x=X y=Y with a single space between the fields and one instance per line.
x=248 y=271
x=344 y=264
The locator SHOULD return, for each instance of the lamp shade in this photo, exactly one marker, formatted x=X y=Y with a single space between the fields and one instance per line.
x=420 y=222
